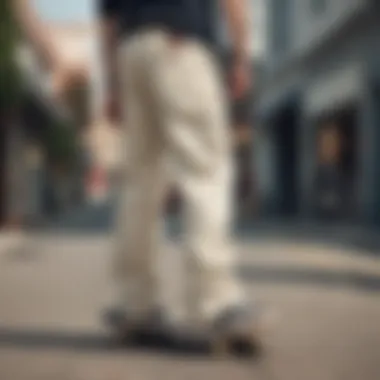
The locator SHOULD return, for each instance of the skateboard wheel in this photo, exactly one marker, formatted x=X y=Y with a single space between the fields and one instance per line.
x=123 y=335
x=244 y=347
x=240 y=347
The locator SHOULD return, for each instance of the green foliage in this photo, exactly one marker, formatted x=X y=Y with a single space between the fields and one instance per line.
x=61 y=144
x=9 y=74
x=58 y=138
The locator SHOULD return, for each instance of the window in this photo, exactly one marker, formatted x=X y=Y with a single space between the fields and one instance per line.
x=318 y=6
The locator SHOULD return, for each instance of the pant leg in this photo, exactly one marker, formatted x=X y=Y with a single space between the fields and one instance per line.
x=138 y=231
x=193 y=115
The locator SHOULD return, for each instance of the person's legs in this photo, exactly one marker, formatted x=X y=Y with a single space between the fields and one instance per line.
x=138 y=225
x=197 y=135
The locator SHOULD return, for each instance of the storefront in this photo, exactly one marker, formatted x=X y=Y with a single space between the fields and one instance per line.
x=332 y=121
x=278 y=150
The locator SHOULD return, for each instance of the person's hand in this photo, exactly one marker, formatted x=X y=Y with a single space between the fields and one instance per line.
x=240 y=79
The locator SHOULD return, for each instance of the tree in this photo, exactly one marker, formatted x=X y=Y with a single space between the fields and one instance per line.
x=9 y=74
x=60 y=141
x=9 y=93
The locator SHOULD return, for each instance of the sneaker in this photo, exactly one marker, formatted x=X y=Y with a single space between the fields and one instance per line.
x=241 y=321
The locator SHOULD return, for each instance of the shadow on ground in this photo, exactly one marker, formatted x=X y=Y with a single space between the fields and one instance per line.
x=355 y=280
x=361 y=238
x=101 y=343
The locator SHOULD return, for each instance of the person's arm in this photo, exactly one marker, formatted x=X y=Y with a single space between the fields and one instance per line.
x=108 y=31
x=236 y=16
x=235 y=12
x=35 y=31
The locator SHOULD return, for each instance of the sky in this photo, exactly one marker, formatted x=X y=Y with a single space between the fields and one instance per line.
x=83 y=10
x=65 y=10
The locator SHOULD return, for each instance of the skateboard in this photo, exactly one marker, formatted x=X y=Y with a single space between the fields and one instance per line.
x=244 y=343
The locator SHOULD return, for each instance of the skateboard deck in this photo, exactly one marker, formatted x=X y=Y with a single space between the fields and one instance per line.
x=245 y=343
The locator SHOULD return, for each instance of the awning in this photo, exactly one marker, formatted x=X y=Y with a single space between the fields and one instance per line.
x=334 y=90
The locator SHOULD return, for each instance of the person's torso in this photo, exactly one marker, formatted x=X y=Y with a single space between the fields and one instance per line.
x=195 y=18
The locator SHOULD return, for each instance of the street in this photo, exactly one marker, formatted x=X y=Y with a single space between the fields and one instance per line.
x=55 y=285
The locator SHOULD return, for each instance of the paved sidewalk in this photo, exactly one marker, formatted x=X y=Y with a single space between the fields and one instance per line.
x=303 y=255
x=50 y=307
x=11 y=240
x=365 y=239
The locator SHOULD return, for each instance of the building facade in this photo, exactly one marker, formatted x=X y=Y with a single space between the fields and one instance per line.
x=318 y=110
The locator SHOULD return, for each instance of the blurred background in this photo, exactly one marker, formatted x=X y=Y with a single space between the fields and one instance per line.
x=307 y=196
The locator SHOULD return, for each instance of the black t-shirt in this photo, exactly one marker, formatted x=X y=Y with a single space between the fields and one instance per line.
x=196 y=18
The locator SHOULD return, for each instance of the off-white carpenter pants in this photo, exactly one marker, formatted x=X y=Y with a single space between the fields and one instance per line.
x=178 y=132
